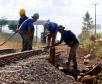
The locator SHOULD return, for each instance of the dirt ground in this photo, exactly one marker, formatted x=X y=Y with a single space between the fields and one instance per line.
x=10 y=45
x=65 y=49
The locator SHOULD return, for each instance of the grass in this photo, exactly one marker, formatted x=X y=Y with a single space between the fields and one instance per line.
x=5 y=36
x=16 y=39
x=97 y=51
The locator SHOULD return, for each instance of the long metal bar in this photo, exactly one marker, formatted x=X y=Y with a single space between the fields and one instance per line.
x=8 y=39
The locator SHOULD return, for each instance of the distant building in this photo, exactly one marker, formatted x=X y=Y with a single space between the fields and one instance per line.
x=37 y=23
x=10 y=22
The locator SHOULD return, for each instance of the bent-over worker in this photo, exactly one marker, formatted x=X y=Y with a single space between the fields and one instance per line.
x=70 y=39
x=52 y=31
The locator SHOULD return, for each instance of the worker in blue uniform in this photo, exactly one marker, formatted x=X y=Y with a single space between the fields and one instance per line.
x=70 y=39
x=26 y=31
x=23 y=17
x=52 y=32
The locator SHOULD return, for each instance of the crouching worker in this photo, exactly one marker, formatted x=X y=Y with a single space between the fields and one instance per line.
x=26 y=31
x=70 y=39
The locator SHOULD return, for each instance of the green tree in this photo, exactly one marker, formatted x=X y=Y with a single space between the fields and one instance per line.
x=87 y=27
x=87 y=23
x=3 y=22
x=12 y=27
x=98 y=35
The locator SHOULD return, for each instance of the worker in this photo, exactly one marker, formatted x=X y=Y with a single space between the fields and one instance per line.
x=23 y=17
x=70 y=39
x=26 y=31
x=51 y=28
x=52 y=31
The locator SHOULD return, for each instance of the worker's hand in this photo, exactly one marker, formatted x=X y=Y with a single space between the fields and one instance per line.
x=17 y=29
x=46 y=35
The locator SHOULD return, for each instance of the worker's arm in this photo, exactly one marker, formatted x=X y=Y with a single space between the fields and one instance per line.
x=30 y=33
x=56 y=44
x=18 y=25
x=17 y=28
x=48 y=33
x=30 y=29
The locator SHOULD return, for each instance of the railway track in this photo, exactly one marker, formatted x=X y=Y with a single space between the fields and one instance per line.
x=7 y=51
x=33 y=70
x=10 y=55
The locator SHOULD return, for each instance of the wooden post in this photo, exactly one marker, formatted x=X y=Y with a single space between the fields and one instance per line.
x=52 y=55
x=52 y=50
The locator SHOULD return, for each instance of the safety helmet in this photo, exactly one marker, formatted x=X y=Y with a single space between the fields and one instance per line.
x=35 y=16
x=60 y=27
x=22 y=11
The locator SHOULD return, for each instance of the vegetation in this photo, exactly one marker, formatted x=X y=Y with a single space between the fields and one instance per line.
x=16 y=38
x=90 y=43
x=5 y=36
x=86 y=28
x=12 y=27
x=3 y=22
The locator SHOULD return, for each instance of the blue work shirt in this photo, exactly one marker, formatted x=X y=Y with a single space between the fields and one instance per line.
x=69 y=38
x=28 y=23
x=52 y=27
x=21 y=20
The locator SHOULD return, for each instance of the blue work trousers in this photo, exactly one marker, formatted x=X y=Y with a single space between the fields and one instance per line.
x=25 y=41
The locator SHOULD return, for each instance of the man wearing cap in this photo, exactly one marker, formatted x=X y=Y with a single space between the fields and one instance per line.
x=23 y=17
x=51 y=27
x=26 y=31
x=70 y=39
x=52 y=31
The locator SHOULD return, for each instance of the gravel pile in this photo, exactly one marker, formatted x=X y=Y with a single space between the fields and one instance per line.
x=31 y=71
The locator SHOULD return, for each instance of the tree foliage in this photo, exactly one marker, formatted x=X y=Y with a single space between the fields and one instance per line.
x=12 y=27
x=3 y=22
x=98 y=35
x=87 y=27
x=87 y=23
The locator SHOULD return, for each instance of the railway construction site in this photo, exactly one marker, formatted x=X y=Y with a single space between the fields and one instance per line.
x=33 y=67
x=30 y=67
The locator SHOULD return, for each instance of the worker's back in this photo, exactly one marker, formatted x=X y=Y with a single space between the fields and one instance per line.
x=69 y=37
x=24 y=26
x=52 y=27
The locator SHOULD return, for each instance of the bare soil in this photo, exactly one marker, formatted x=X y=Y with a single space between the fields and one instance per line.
x=10 y=45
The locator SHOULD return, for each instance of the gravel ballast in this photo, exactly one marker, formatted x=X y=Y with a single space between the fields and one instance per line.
x=31 y=71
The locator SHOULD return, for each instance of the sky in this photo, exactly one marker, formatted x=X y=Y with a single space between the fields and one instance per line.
x=68 y=13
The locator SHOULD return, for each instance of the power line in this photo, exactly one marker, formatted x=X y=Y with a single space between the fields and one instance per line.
x=95 y=19
x=95 y=16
